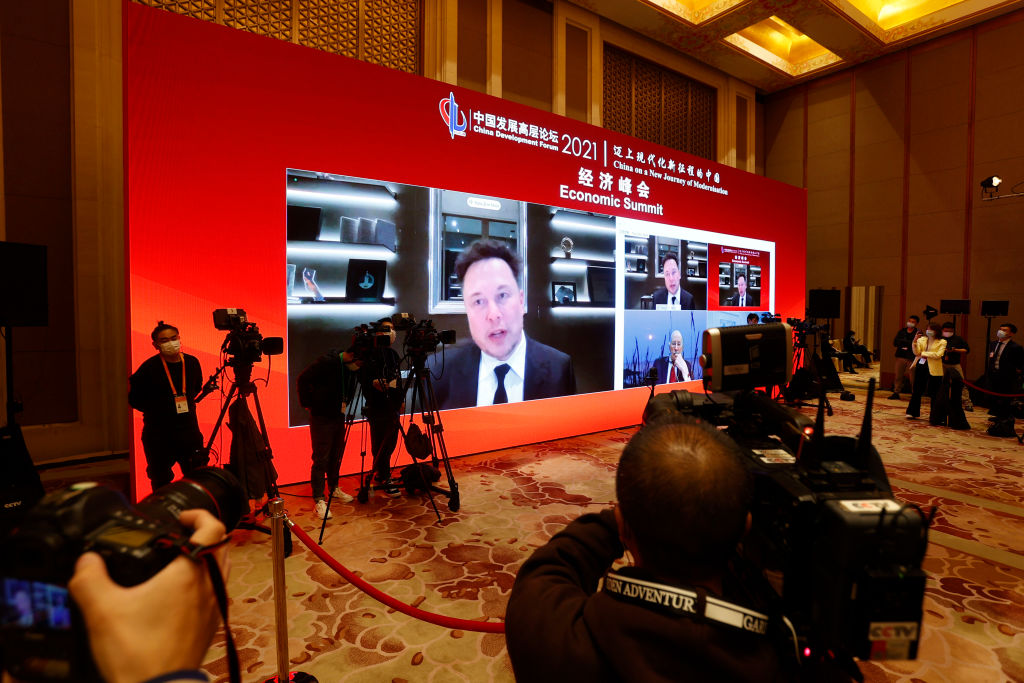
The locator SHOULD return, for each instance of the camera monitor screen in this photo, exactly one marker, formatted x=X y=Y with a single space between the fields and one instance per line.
x=750 y=356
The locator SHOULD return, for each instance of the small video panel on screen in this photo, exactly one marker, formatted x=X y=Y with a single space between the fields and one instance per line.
x=690 y=280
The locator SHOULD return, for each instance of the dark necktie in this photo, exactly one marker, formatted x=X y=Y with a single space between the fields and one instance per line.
x=673 y=300
x=499 y=395
x=672 y=375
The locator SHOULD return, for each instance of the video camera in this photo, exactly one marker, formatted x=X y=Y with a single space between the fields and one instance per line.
x=845 y=556
x=421 y=337
x=43 y=634
x=244 y=344
x=801 y=328
x=369 y=336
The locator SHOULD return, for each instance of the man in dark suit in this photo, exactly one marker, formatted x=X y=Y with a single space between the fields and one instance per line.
x=672 y=368
x=672 y=295
x=502 y=365
x=742 y=297
x=1004 y=366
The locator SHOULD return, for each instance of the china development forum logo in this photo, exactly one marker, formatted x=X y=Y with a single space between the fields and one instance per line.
x=452 y=117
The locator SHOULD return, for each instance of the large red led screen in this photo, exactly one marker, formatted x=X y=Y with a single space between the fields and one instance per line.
x=319 y=193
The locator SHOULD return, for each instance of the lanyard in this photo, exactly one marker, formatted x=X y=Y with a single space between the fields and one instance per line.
x=171 y=381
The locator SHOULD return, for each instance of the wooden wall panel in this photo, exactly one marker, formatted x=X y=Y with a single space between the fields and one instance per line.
x=997 y=249
x=927 y=125
x=828 y=177
x=878 y=176
x=784 y=138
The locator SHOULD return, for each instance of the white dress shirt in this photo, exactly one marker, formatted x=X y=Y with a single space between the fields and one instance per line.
x=487 y=381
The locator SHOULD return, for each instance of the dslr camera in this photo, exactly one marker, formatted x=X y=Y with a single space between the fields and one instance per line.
x=244 y=345
x=43 y=634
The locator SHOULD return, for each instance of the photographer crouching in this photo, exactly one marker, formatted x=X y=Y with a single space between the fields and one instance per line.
x=684 y=501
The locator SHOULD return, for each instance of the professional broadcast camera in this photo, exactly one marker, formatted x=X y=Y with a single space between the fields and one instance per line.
x=367 y=337
x=43 y=634
x=842 y=557
x=421 y=337
x=801 y=328
x=244 y=344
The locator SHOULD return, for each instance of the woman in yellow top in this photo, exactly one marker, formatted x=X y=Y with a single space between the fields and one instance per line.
x=928 y=352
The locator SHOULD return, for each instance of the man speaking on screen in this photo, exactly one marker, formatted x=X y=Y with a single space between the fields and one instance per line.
x=502 y=365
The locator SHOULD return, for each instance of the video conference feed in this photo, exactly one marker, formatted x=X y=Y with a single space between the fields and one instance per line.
x=676 y=283
x=360 y=250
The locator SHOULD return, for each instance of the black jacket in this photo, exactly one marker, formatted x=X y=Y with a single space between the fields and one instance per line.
x=685 y=298
x=904 y=343
x=150 y=393
x=549 y=373
x=1011 y=365
x=559 y=627
x=325 y=385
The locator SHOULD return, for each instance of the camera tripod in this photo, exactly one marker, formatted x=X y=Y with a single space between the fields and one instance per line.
x=421 y=446
x=807 y=375
x=420 y=476
x=246 y=440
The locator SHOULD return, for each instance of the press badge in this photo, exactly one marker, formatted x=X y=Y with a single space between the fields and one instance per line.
x=181 y=404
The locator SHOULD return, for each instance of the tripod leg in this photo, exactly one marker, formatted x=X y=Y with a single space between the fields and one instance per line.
x=220 y=418
x=437 y=437
x=269 y=473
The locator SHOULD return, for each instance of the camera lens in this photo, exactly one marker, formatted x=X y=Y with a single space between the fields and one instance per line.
x=210 y=488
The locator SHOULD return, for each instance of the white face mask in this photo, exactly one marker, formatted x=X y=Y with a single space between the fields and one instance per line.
x=930 y=333
x=910 y=325
x=171 y=348
x=947 y=335
x=1000 y=334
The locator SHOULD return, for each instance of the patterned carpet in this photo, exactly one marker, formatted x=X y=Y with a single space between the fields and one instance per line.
x=513 y=500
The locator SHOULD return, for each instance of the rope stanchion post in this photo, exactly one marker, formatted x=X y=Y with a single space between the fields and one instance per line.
x=277 y=536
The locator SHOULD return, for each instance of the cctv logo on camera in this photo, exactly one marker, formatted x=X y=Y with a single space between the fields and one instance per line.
x=452 y=117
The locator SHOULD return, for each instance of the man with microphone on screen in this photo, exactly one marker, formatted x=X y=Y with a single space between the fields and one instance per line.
x=502 y=365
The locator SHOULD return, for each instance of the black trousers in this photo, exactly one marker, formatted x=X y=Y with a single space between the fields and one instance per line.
x=923 y=382
x=169 y=445
x=383 y=439
x=326 y=435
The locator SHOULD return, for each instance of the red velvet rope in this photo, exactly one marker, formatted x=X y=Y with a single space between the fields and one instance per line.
x=377 y=594
x=991 y=393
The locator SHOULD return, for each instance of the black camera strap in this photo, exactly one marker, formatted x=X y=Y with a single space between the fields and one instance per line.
x=206 y=554
x=695 y=604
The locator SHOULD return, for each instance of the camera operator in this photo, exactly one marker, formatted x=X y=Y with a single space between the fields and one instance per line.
x=163 y=389
x=325 y=389
x=377 y=368
x=161 y=629
x=684 y=502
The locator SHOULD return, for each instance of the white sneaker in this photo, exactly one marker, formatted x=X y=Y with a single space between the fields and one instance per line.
x=321 y=510
x=342 y=496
